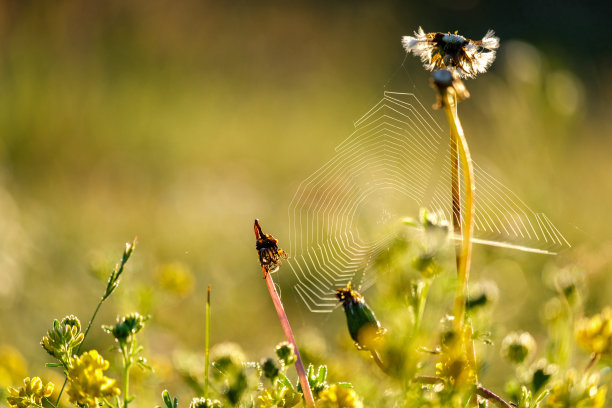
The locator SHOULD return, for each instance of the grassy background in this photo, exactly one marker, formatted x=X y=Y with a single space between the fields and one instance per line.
x=182 y=122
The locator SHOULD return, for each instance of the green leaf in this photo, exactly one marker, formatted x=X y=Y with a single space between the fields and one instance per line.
x=322 y=375
x=167 y=400
x=282 y=379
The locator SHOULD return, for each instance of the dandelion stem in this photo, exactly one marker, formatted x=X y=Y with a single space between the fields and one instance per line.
x=462 y=223
x=460 y=147
x=207 y=343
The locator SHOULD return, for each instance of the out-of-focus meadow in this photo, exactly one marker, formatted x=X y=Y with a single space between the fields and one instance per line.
x=181 y=122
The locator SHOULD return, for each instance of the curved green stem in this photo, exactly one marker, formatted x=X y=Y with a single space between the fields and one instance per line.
x=465 y=226
x=378 y=361
x=461 y=153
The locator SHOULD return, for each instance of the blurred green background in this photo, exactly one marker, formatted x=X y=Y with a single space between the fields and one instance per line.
x=181 y=122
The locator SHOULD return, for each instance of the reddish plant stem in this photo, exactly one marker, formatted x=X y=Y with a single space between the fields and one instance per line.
x=282 y=316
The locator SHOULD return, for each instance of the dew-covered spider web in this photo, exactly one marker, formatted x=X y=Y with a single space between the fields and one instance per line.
x=395 y=162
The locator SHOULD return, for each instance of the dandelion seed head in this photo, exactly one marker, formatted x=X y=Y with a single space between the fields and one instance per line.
x=453 y=51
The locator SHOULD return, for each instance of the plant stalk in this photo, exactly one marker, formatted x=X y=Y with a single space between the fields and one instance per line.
x=59 y=396
x=282 y=316
x=113 y=282
x=460 y=150
x=207 y=344
x=462 y=223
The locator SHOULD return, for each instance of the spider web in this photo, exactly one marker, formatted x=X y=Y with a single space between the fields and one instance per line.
x=394 y=163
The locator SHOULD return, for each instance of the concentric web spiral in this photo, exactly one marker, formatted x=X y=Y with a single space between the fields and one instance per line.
x=394 y=163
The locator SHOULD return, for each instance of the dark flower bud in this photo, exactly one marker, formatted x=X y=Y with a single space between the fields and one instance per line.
x=269 y=368
x=126 y=326
x=516 y=347
x=363 y=326
x=482 y=294
x=286 y=353
x=540 y=373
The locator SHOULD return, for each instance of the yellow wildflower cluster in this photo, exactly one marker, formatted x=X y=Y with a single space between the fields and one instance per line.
x=30 y=395
x=595 y=334
x=88 y=384
x=339 y=397
x=279 y=397
x=454 y=365
x=576 y=390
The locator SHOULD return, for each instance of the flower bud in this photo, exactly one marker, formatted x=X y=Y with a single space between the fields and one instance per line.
x=126 y=326
x=269 y=368
x=204 y=403
x=363 y=326
x=63 y=338
x=286 y=353
x=516 y=347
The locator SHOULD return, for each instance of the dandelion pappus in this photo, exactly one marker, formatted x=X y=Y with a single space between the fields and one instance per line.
x=446 y=50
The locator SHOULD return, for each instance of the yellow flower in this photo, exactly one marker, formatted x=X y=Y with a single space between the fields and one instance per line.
x=575 y=390
x=175 y=278
x=454 y=365
x=595 y=334
x=87 y=381
x=63 y=338
x=30 y=395
x=339 y=397
x=279 y=397
x=12 y=365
